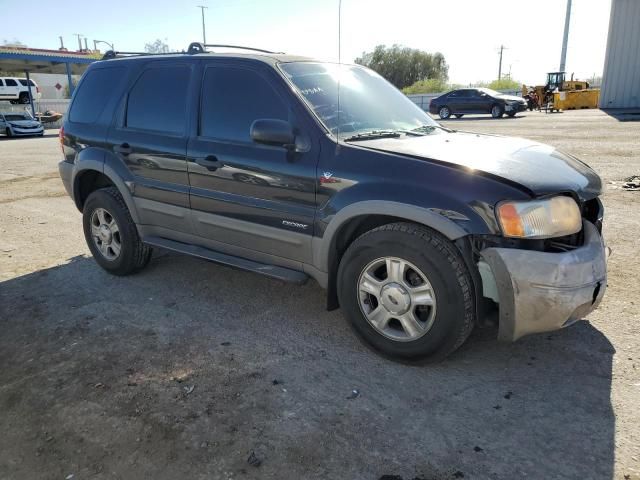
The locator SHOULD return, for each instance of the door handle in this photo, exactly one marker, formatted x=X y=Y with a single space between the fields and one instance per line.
x=124 y=149
x=209 y=162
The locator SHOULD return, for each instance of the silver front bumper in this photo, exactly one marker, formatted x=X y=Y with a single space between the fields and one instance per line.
x=540 y=291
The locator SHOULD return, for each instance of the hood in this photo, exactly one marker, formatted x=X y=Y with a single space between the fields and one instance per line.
x=24 y=123
x=539 y=168
x=512 y=98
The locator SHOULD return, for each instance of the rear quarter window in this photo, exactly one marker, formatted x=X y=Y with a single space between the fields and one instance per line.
x=94 y=92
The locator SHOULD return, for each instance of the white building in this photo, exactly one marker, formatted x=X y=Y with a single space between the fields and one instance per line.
x=621 y=77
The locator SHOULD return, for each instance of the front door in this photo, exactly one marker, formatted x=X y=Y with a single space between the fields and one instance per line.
x=250 y=197
x=151 y=140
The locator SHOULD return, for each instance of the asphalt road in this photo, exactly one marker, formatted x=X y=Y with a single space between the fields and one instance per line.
x=194 y=370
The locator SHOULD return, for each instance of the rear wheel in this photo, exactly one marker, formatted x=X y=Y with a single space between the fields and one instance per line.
x=444 y=112
x=111 y=234
x=497 y=111
x=406 y=292
x=24 y=98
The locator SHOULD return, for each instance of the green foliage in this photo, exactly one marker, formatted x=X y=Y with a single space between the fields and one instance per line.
x=431 y=85
x=404 y=66
x=503 y=84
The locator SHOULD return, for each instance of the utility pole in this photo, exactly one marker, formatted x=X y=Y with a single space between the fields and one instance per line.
x=565 y=38
x=502 y=47
x=79 y=35
x=204 y=34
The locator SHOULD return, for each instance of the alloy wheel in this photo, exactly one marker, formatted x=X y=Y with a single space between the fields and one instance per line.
x=106 y=233
x=397 y=299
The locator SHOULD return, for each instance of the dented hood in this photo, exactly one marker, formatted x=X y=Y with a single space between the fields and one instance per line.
x=537 y=167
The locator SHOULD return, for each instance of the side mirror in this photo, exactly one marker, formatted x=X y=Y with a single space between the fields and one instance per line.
x=272 y=132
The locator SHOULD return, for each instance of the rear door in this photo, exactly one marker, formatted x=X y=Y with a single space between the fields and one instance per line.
x=150 y=138
x=3 y=90
x=250 y=197
x=12 y=89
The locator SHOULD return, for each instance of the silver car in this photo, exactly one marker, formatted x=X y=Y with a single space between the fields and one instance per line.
x=19 y=124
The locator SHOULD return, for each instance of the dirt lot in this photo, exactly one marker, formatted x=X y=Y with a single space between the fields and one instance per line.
x=193 y=370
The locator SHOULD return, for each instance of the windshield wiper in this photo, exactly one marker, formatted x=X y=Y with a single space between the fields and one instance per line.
x=373 y=134
x=430 y=128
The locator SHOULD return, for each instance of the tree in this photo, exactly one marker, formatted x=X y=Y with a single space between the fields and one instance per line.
x=430 y=85
x=404 y=66
x=156 y=47
x=505 y=84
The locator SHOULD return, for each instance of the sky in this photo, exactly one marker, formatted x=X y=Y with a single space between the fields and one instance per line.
x=468 y=32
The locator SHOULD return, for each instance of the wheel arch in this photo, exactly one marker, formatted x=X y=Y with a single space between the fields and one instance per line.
x=356 y=219
x=93 y=175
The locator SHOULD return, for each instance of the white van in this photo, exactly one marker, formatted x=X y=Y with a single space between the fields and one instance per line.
x=16 y=90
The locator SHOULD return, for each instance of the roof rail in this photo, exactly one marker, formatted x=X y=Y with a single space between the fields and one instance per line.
x=197 y=47
x=112 y=54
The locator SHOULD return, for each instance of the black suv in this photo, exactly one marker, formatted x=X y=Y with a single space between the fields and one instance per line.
x=295 y=168
x=476 y=100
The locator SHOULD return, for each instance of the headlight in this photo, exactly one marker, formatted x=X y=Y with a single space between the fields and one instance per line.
x=548 y=218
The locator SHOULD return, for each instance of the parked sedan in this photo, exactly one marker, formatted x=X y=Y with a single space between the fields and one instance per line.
x=476 y=100
x=19 y=124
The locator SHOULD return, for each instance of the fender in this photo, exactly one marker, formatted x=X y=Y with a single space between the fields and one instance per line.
x=97 y=160
x=322 y=246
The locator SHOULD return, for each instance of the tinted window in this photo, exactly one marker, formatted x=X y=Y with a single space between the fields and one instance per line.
x=232 y=98
x=158 y=100
x=23 y=82
x=94 y=91
x=11 y=83
x=1 y=83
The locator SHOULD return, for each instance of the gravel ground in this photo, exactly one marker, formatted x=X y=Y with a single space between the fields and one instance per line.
x=193 y=370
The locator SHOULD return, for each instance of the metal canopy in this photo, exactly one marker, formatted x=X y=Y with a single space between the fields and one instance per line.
x=33 y=60
x=44 y=61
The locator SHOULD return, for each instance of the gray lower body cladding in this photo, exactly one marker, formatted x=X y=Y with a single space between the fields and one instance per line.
x=540 y=291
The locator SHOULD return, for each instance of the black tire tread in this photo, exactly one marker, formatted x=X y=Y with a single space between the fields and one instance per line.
x=453 y=256
x=141 y=252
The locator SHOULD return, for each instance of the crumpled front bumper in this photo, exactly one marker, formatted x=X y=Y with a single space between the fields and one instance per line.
x=541 y=291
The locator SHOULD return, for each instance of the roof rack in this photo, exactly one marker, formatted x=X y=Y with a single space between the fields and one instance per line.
x=113 y=54
x=194 y=48
x=197 y=47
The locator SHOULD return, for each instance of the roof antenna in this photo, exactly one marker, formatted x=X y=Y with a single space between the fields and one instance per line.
x=339 y=72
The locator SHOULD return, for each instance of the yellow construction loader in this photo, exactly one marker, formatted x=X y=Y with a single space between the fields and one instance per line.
x=561 y=94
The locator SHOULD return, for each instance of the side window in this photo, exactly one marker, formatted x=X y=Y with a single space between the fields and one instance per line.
x=93 y=93
x=1 y=83
x=232 y=98
x=22 y=82
x=454 y=94
x=11 y=82
x=158 y=100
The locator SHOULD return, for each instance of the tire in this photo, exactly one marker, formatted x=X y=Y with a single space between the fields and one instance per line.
x=497 y=111
x=442 y=327
x=459 y=115
x=8 y=132
x=444 y=112
x=24 y=98
x=511 y=114
x=132 y=255
x=13 y=102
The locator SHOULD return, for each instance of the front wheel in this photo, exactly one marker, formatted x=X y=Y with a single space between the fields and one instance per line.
x=511 y=114
x=406 y=292
x=459 y=115
x=497 y=111
x=111 y=234
x=444 y=112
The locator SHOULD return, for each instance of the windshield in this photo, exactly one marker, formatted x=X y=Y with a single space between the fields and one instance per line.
x=493 y=93
x=367 y=101
x=15 y=116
